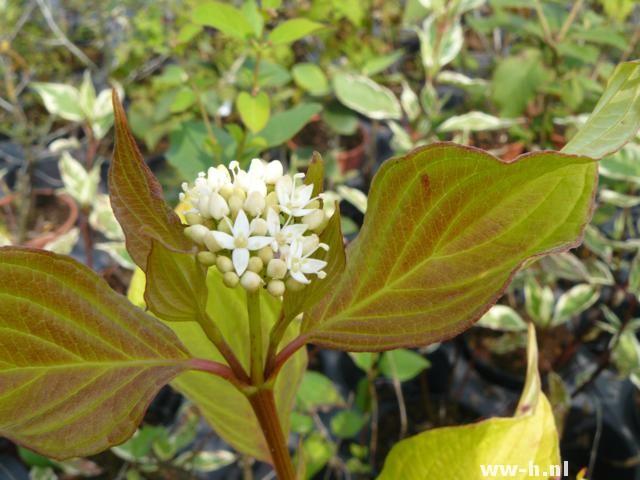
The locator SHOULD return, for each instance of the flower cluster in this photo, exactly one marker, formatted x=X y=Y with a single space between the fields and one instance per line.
x=258 y=227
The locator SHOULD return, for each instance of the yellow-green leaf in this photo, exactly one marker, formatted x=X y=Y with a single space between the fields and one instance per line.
x=226 y=18
x=136 y=197
x=615 y=118
x=254 y=110
x=176 y=290
x=78 y=363
x=225 y=408
x=292 y=30
x=446 y=228
x=529 y=438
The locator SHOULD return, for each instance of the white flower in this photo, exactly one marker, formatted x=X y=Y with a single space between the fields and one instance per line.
x=240 y=241
x=294 y=200
x=300 y=264
x=283 y=235
x=251 y=181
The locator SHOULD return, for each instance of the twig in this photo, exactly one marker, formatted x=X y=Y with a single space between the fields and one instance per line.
x=46 y=12
x=543 y=23
x=397 y=388
x=28 y=10
x=569 y=21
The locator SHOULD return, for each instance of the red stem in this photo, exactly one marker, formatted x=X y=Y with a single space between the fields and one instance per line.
x=264 y=406
x=284 y=355
x=218 y=369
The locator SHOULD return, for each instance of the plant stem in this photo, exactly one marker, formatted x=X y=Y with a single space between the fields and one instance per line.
x=570 y=19
x=284 y=355
x=87 y=237
x=214 y=334
x=275 y=337
x=255 y=336
x=264 y=406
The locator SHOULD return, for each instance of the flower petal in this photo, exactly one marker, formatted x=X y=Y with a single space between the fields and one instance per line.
x=225 y=240
x=299 y=277
x=241 y=227
x=312 y=265
x=240 y=257
x=258 y=242
x=273 y=222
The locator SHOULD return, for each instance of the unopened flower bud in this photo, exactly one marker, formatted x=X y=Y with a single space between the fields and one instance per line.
x=294 y=285
x=236 y=203
x=250 y=281
x=218 y=207
x=259 y=226
x=224 y=264
x=314 y=220
x=276 y=288
x=193 y=218
x=276 y=268
x=266 y=255
x=273 y=171
x=203 y=206
x=239 y=192
x=196 y=233
x=206 y=258
x=226 y=191
x=211 y=243
x=230 y=279
x=272 y=202
x=224 y=226
x=254 y=204
x=255 y=264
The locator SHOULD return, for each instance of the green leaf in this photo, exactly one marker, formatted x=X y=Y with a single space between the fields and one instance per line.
x=438 y=47
x=103 y=220
x=616 y=117
x=80 y=184
x=291 y=30
x=573 y=302
x=402 y=364
x=623 y=165
x=317 y=391
x=364 y=360
x=188 y=151
x=226 y=18
x=316 y=452
x=516 y=81
x=347 y=423
x=176 y=289
x=139 y=446
x=311 y=78
x=430 y=259
x=60 y=99
x=77 y=361
x=538 y=301
x=284 y=125
x=136 y=197
x=205 y=461
x=474 y=122
x=227 y=410
x=366 y=96
x=379 y=64
x=502 y=319
x=254 y=110
x=528 y=437
x=340 y=119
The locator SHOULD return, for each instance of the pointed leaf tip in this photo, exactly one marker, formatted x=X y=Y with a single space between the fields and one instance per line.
x=137 y=198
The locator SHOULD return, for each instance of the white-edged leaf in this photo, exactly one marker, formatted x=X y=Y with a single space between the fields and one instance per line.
x=503 y=319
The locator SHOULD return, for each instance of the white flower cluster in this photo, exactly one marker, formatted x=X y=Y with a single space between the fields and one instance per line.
x=258 y=227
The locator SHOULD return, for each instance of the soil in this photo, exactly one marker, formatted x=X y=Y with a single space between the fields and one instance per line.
x=318 y=136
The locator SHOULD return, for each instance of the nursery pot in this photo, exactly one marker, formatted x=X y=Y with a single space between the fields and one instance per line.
x=53 y=214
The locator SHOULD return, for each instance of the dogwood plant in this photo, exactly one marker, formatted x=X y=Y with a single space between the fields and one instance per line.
x=253 y=270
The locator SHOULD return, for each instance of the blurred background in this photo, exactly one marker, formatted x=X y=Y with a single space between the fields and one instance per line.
x=359 y=81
